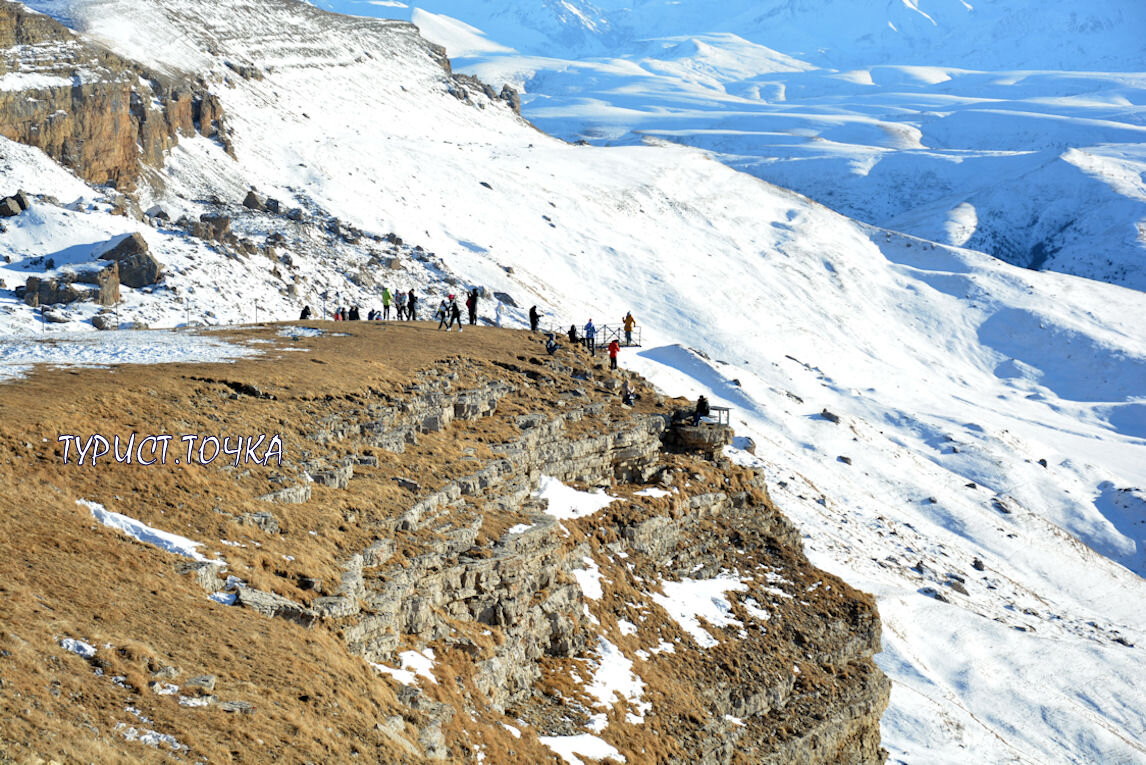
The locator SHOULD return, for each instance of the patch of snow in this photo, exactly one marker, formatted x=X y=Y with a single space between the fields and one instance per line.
x=688 y=599
x=566 y=503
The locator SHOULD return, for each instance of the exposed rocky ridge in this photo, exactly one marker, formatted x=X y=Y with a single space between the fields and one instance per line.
x=103 y=116
x=446 y=580
x=111 y=120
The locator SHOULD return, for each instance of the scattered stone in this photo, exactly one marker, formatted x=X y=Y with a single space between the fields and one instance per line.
x=273 y=205
x=253 y=202
x=832 y=418
x=978 y=565
x=272 y=605
x=958 y=587
x=166 y=673
x=1001 y=506
x=9 y=207
x=240 y=707
x=334 y=478
x=105 y=321
x=1043 y=462
x=845 y=460
x=264 y=520
x=483 y=183
x=204 y=682
x=22 y=200
x=506 y=298
x=205 y=574
x=409 y=485
x=293 y=495
x=931 y=592
x=971 y=485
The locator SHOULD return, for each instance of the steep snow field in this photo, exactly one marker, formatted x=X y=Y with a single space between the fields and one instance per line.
x=989 y=125
x=1011 y=591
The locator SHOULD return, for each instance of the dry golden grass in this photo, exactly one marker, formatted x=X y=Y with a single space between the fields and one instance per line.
x=64 y=575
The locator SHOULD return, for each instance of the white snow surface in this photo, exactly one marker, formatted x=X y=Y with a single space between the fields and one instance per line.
x=23 y=349
x=1024 y=124
x=78 y=647
x=688 y=599
x=140 y=531
x=572 y=748
x=955 y=376
x=566 y=503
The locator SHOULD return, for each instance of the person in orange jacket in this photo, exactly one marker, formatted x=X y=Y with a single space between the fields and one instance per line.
x=629 y=322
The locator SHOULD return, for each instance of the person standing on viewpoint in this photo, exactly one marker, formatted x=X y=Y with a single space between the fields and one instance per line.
x=590 y=337
x=614 y=348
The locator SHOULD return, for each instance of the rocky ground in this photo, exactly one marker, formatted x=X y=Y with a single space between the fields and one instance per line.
x=407 y=527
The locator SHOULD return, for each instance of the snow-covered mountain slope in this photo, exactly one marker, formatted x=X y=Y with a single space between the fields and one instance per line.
x=952 y=374
x=1014 y=132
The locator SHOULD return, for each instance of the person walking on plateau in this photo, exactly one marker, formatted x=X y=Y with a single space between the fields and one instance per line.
x=455 y=314
x=441 y=315
x=411 y=305
x=614 y=347
x=472 y=305
x=385 y=302
x=400 y=301
x=629 y=322
x=305 y=313
x=590 y=337
x=534 y=319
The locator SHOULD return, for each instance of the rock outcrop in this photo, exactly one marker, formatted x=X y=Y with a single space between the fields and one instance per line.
x=137 y=267
x=800 y=685
x=104 y=117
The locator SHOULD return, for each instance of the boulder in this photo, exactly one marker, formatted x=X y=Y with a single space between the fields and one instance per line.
x=124 y=247
x=55 y=317
x=706 y=438
x=506 y=298
x=107 y=279
x=22 y=200
x=137 y=267
x=510 y=96
x=212 y=226
x=273 y=205
x=253 y=202
x=9 y=207
x=104 y=321
x=60 y=289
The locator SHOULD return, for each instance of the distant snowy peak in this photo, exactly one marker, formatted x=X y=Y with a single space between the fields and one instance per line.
x=1100 y=35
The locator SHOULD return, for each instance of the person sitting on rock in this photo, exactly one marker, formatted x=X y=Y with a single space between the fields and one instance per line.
x=702 y=410
x=628 y=395
x=551 y=344
x=573 y=334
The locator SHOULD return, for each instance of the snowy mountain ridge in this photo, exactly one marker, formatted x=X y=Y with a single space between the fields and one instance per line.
x=983 y=125
x=952 y=374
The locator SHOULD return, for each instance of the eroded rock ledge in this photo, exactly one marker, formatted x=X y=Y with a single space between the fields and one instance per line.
x=789 y=679
x=104 y=117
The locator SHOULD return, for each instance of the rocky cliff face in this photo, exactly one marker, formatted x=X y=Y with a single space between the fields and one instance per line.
x=411 y=582
x=104 y=117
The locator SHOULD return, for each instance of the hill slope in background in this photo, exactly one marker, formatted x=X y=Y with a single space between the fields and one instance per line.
x=989 y=126
x=954 y=376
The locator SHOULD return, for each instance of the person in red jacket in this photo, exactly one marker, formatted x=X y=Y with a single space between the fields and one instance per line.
x=614 y=348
